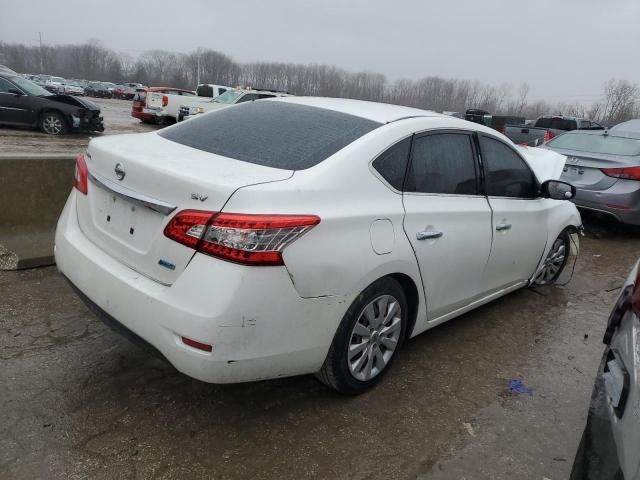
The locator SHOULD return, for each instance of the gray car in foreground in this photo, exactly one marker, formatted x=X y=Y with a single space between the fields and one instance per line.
x=605 y=169
x=609 y=446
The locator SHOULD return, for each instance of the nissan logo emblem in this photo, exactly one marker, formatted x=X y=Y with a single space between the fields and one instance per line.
x=120 y=173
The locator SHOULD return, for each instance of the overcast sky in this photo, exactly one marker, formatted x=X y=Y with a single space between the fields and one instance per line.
x=565 y=49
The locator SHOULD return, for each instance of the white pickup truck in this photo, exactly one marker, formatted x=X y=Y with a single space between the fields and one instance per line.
x=164 y=106
x=191 y=108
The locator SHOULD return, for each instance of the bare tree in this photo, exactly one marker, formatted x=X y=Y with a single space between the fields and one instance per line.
x=93 y=61
x=620 y=101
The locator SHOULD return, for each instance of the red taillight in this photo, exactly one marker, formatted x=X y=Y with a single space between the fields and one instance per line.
x=548 y=135
x=248 y=239
x=195 y=344
x=628 y=173
x=80 y=174
x=165 y=100
x=635 y=296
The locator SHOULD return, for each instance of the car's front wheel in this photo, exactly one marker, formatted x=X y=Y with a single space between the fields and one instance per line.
x=555 y=261
x=368 y=338
x=53 y=123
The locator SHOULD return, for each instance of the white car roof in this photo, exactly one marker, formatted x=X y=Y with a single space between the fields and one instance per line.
x=378 y=112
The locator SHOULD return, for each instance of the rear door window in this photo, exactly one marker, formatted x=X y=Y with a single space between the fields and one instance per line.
x=557 y=123
x=442 y=163
x=140 y=96
x=205 y=91
x=273 y=134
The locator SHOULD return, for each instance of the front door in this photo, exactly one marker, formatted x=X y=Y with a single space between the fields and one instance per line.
x=14 y=109
x=447 y=220
x=518 y=215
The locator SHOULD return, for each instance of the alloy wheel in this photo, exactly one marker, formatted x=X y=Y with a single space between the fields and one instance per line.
x=553 y=263
x=52 y=125
x=374 y=337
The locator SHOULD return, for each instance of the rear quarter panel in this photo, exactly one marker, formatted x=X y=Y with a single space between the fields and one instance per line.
x=337 y=258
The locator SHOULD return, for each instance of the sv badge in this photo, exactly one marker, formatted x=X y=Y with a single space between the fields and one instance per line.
x=197 y=196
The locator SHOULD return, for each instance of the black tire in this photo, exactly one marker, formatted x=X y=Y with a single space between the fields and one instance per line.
x=553 y=268
x=53 y=123
x=336 y=371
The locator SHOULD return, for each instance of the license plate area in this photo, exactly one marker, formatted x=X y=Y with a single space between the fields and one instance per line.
x=129 y=223
x=573 y=172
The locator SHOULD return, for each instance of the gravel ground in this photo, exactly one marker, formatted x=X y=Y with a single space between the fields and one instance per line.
x=78 y=401
x=117 y=119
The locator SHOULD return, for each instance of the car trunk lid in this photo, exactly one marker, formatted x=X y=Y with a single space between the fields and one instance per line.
x=138 y=182
x=584 y=170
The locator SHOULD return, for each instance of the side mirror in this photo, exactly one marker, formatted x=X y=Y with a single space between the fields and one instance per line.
x=558 y=190
x=15 y=91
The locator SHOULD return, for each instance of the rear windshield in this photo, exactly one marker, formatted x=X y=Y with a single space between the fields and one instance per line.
x=204 y=91
x=556 y=123
x=607 y=144
x=141 y=95
x=273 y=134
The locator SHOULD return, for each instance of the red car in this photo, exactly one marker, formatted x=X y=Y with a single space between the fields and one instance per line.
x=124 y=92
x=140 y=101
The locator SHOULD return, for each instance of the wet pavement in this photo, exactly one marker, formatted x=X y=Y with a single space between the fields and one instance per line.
x=78 y=401
x=117 y=119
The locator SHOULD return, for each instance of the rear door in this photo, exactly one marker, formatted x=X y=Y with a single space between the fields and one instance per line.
x=447 y=220
x=518 y=215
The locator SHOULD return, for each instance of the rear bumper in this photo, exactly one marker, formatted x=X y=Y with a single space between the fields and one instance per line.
x=258 y=325
x=145 y=117
x=621 y=201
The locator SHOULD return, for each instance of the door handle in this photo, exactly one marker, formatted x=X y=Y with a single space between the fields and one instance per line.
x=428 y=234
x=503 y=226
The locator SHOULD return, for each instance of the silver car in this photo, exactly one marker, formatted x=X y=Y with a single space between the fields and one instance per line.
x=609 y=446
x=605 y=169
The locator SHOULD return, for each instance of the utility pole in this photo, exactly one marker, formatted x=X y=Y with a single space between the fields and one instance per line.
x=198 y=82
x=41 y=63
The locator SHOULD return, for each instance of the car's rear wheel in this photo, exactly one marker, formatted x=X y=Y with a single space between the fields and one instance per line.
x=53 y=123
x=555 y=261
x=368 y=339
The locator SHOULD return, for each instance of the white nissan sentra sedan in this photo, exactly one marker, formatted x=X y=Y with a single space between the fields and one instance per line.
x=308 y=235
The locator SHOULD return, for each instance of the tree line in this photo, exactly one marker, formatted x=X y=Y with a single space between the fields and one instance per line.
x=91 y=61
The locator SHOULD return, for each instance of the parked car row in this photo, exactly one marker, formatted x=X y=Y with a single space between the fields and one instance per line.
x=163 y=105
x=193 y=106
x=59 y=85
x=547 y=127
x=533 y=132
